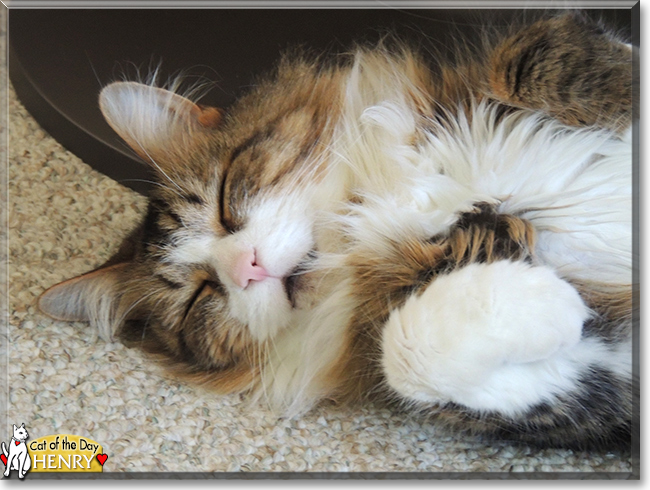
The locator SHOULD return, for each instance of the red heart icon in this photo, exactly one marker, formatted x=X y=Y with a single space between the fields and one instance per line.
x=17 y=442
x=4 y=459
x=102 y=458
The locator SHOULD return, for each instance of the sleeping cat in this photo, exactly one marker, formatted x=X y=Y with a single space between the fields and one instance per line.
x=454 y=238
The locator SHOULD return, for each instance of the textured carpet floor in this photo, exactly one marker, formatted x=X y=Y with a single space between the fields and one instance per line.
x=64 y=219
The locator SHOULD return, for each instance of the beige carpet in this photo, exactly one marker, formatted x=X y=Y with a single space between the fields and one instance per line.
x=65 y=219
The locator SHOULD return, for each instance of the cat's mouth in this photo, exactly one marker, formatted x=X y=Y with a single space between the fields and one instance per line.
x=295 y=281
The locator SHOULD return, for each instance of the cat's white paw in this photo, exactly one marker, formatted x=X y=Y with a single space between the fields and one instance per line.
x=481 y=335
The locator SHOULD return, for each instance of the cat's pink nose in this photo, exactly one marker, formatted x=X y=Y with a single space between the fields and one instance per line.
x=245 y=270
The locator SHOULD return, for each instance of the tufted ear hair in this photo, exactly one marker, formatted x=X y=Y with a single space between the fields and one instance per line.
x=159 y=125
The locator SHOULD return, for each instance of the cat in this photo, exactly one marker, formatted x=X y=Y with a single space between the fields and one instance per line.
x=17 y=458
x=451 y=238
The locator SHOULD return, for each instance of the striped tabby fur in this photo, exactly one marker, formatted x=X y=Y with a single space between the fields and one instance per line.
x=452 y=238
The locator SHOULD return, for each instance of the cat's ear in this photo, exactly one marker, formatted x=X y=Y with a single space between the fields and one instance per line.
x=156 y=123
x=91 y=297
x=15 y=427
x=23 y=426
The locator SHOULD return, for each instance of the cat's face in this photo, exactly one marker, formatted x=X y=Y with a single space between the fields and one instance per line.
x=218 y=266
x=20 y=433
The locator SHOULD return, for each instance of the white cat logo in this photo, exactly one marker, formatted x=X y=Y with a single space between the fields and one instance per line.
x=17 y=458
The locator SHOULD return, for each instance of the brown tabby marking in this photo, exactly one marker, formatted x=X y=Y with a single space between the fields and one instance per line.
x=286 y=125
x=220 y=352
x=614 y=306
x=567 y=67
x=215 y=164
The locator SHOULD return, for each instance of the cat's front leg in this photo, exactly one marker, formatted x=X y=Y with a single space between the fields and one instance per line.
x=467 y=327
x=567 y=66
x=490 y=337
x=510 y=350
x=22 y=465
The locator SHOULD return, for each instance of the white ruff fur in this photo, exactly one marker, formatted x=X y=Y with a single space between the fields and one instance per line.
x=573 y=185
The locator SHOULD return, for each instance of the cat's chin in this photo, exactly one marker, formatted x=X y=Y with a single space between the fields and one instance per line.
x=263 y=308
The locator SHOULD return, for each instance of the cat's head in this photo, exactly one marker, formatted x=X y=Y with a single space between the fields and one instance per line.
x=20 y=433
x=214 y=270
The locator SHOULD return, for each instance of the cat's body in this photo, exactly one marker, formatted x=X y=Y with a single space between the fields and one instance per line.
x=17 y=455
x=458 y=239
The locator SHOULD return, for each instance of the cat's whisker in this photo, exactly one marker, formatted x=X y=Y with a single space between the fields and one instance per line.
x=122 y=316
x=153 y=309
x=159 y=184
x=269 y=361
x=262 y=362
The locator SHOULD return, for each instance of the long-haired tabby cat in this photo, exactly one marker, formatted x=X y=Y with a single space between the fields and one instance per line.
x=454 y=237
